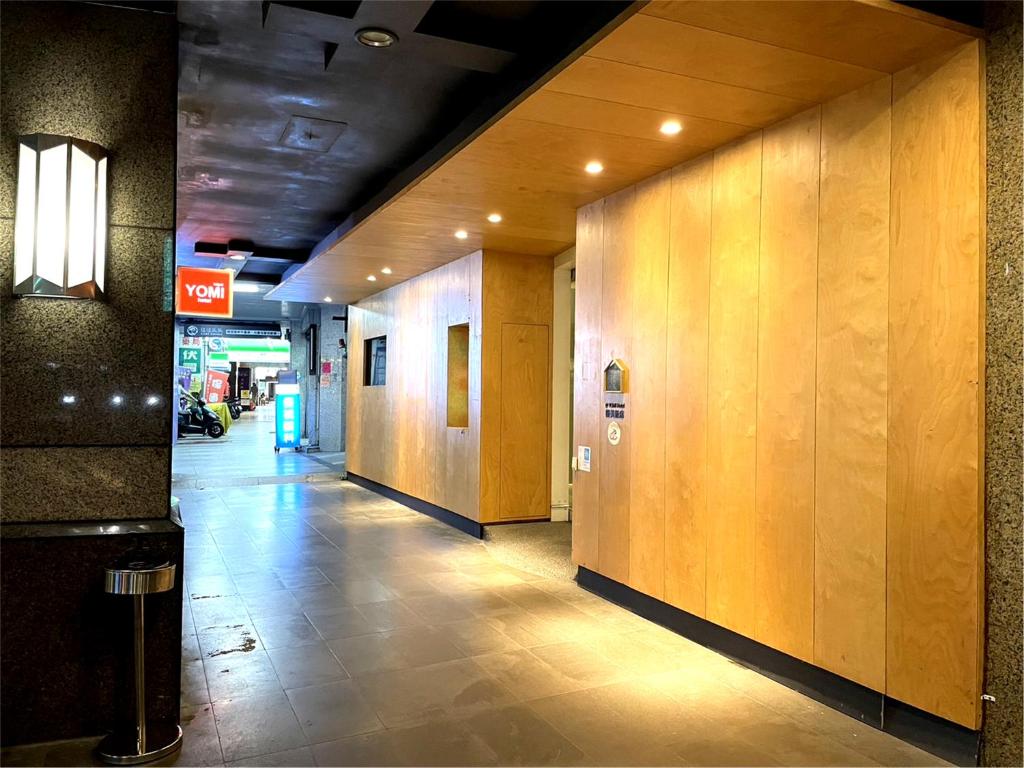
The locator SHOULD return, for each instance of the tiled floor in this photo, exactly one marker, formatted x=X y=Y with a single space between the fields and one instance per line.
x=245 y=456
x=326 y=625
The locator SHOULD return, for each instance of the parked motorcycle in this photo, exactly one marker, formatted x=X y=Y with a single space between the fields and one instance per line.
x=199 y=419
x=234 y=405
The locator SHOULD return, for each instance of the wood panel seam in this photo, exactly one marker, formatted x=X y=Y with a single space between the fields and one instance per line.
x=797 y=103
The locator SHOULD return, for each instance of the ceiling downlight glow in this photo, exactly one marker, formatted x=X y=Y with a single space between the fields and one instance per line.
x=372 y=278
x=327 y=299
x=671 y=127
x=386 y=271
x=593 y=167
x=461 y=234
x=494 y=218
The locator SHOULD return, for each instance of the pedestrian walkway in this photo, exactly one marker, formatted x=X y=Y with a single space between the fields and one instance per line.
x=326 y=625
x=245 y=456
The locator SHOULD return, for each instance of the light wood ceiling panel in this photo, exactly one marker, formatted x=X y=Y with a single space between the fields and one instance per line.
x=876 y=35
x=590 y=114
x=722 y=68
x=657 y=89
x=668 y=46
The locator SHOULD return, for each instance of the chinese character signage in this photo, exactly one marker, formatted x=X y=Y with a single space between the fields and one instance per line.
x=216 y=386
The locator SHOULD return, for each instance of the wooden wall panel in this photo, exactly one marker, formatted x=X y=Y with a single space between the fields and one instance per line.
x=516 y=289
x=787 y=310
x=396 y=425
x=821 y=381
x=646 y=396
x=934 y=519
x=686 y=386
x=850 y=442
x=587 y=365
x=526 y=394
x=732 y=384
x=620 y=215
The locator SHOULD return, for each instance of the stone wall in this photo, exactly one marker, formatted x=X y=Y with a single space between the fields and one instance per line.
x=107 y=75
x=1004 y=378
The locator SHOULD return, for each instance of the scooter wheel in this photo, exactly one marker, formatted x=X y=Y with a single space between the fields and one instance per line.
x=215 y=430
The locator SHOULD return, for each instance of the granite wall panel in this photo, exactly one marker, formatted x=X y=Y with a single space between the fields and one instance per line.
x=79 y=373
x=1004 y=389
x=55 y=483
x=66 y=646
x=85 y=397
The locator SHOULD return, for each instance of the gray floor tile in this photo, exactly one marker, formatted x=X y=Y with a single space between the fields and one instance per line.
x=519 y=736
x=301 y=756
x=306 y=665
x=371 y=749
x=257 y=725
x=414 y=695
x=333 y=711
x=285 y=631
x=400 y=649
x=237 y=675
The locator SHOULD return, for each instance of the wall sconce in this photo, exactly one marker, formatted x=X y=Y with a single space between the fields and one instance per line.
x=60 y=224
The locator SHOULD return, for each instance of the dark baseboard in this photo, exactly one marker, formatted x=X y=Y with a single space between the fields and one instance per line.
x=947 y=740
x=446 y=516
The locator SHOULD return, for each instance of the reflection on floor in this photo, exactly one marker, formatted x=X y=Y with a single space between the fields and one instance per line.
x=326 y=625
x=245 y=456
x=544 y=549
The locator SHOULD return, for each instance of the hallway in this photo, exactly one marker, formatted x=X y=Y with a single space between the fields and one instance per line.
x=245 y=456
x=325 y=623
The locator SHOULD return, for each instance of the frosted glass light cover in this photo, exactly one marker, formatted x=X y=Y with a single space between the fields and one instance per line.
x=51 y=214
x=25 y=215
x=81 y=218
x=61 y=217
x=101 y=225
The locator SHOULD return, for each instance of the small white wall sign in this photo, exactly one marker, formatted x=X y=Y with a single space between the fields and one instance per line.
x=583 y=458
x=614 y=432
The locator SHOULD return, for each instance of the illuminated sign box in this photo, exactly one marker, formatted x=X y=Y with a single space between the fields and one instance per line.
x=205 y=292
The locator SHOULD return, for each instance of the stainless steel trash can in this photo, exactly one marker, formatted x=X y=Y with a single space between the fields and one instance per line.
x=147 y=740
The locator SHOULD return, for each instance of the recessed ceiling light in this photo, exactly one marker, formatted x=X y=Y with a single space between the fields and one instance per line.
x=461 y=234
x=593 y=167
x=68 y=399
x=327 y=298
x=117 y=400
x=494 y=218
x=152 y=400
x=671 y=127
x=386 y=271
x=372 y=278
x=237 y=257
x=376 y=37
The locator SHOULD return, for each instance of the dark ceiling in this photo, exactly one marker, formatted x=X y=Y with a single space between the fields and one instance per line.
x=288 y=126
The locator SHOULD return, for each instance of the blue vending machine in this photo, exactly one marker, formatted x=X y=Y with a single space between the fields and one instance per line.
x=288 y=429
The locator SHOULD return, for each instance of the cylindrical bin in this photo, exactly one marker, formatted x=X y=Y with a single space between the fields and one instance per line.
x=148 y=740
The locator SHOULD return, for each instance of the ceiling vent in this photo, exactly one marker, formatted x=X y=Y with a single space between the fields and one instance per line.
x=311 y=133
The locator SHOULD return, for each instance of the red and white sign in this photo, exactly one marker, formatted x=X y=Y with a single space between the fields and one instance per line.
x=216 y=388
x=205 y=292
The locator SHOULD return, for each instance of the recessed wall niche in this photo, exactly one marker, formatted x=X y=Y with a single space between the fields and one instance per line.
x=458 y=376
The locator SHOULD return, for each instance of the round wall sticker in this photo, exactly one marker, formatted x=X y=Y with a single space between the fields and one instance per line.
x=614 y=433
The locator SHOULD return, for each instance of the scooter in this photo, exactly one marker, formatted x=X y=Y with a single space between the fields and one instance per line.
x=198 y=419
x=234 y=405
